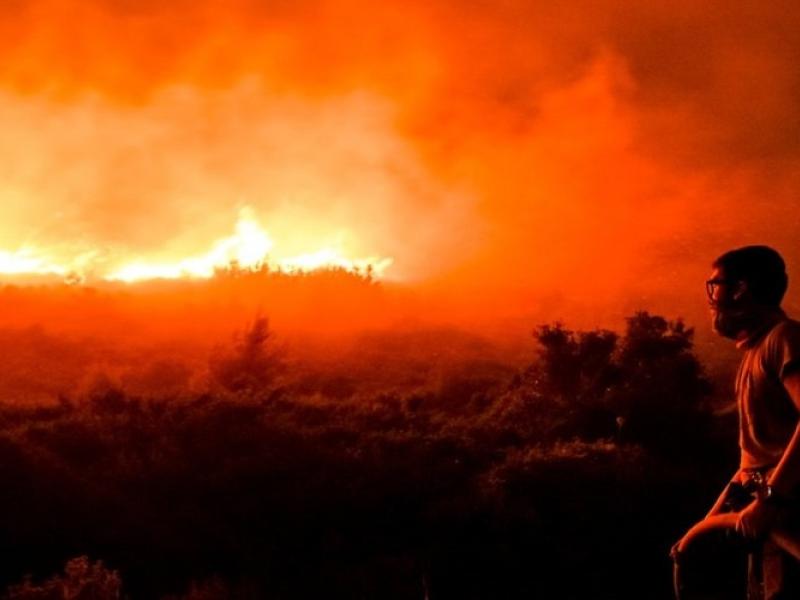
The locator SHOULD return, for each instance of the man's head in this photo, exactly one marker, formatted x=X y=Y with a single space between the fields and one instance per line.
x=744 y=284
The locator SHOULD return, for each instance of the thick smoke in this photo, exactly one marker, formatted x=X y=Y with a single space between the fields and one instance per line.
x=500 y=151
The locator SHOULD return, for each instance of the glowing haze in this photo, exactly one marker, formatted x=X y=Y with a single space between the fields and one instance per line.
x=503 y=153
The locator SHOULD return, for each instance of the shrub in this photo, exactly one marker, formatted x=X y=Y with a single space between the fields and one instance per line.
x=82 y=580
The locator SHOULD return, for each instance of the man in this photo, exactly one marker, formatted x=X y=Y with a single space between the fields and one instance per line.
x=745 y=291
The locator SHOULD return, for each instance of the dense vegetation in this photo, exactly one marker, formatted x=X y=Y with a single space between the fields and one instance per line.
x=567 y=479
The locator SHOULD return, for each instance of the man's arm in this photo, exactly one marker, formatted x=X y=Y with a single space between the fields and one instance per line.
x=785 y=478
x=715 y=509
x=720 y=502
x=756 y=519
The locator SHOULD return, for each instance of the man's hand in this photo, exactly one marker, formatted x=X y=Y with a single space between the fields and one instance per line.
x=673 y=551
x=755 y=521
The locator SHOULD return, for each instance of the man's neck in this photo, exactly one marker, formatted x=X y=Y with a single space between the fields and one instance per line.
x=764 y=319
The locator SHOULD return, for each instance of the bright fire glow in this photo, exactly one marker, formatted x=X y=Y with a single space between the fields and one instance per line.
x=26 y=262
x=328 y=257
x=249 y=248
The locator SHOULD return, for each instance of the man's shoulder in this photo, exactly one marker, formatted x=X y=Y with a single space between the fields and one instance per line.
x=781 y=345
x=787 y=328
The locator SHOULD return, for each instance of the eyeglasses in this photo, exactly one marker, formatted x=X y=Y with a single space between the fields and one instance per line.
x=712 y=284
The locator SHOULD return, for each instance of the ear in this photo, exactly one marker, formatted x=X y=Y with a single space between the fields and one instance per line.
x=741 y=290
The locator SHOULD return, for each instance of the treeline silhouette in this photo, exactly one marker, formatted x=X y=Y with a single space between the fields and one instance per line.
x=569 y=478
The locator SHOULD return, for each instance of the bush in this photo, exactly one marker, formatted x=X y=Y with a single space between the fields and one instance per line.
x=82 y=580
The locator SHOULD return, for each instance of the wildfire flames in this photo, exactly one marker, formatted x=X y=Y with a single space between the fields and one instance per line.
x=250 y=247
x=28 y=261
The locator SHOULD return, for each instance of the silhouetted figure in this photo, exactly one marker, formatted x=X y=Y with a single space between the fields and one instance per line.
x=760 y=504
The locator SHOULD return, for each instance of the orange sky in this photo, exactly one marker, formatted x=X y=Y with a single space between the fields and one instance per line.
x=503 y=153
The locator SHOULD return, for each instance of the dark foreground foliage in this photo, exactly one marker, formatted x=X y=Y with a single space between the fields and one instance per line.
x=570 y=480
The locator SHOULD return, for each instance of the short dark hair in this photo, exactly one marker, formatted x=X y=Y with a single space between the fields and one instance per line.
x=761 y=267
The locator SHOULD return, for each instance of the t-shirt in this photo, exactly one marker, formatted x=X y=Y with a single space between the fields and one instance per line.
x=767 y=414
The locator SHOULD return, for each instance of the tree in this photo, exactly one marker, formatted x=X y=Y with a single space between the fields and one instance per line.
x=254 y=363
x=645 y=387
x=663 y=393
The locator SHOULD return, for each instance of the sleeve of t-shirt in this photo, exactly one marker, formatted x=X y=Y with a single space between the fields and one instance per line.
x=787 y=349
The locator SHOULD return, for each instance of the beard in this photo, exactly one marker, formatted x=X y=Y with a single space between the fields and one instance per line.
x=729 y=323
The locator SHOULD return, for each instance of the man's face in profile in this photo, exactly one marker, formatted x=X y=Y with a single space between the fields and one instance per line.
x=728 y=313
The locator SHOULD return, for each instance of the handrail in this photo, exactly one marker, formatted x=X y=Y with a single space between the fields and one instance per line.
x=784 y=540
